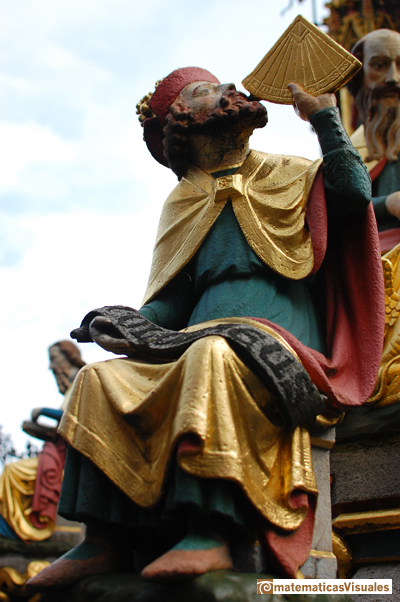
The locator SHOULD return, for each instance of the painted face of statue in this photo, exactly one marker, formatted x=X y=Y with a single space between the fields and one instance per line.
x=204 y=96
x=382 y=62
x=215 y=106
x=209 y=109
x=378 y=100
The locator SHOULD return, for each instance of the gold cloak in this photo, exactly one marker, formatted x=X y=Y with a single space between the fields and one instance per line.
x=127 y=416
x=269 y=195
x=17 y=487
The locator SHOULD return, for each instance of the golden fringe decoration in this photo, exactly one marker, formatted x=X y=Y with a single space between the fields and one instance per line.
x=12 y=582
x=343 y=555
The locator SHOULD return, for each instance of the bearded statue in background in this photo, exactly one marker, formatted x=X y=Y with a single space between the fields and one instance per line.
x=376 y=91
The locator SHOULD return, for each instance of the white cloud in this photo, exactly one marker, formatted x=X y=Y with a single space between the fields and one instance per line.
x=75 y=263
x=23 y=144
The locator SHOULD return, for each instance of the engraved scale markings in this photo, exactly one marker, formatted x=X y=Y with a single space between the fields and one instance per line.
x=305 y=55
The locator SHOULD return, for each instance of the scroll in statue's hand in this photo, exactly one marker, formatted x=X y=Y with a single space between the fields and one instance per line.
x=306 y=105
x=105 y=335
x=393 y=203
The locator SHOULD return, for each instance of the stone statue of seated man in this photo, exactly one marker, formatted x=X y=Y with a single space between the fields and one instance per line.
x=264 y=309
x=30 y=487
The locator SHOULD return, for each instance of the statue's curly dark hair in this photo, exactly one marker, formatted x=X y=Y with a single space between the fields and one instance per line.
x=71 y=352
x=176 y=137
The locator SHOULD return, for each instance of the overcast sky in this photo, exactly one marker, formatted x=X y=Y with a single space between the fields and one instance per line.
x=80 y=196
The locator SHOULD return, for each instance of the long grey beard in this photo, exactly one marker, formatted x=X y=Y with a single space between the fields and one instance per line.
x=381 y=118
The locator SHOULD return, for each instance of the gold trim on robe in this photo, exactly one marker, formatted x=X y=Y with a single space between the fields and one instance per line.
x=269 y=195
x=127 y=416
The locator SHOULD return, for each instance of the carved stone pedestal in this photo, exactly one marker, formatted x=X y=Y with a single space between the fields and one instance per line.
x=366 y=506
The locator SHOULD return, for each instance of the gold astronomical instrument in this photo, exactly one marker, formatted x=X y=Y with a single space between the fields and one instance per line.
x=304 y=55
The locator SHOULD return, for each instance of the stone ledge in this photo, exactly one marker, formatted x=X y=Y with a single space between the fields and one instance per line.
x=379 y=571
x=365 y=475
x=34 y=549
x=219 y=586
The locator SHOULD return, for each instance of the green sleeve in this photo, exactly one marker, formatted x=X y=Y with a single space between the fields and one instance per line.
x=173 y=306
x=347 y=181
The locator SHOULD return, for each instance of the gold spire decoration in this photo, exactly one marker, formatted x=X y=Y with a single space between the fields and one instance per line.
x=306 y=56
x=350 y=20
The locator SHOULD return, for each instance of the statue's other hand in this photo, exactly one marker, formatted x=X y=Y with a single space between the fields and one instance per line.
x=306 y=105
x=393 y=203
x=107 y=336
x=36 y=412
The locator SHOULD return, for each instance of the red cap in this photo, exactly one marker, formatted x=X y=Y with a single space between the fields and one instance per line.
x=165 y=94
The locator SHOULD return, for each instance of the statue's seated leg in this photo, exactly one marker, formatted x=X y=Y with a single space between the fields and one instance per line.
x=200 y=515
x=94 y=556
x=204 y=548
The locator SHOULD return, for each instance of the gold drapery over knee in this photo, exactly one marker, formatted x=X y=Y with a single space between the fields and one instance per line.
x=17 y=487
x=387 y=388
x=127 y=415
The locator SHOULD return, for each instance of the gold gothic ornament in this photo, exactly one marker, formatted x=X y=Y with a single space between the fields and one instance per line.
x=12 y=583
x=306 y=56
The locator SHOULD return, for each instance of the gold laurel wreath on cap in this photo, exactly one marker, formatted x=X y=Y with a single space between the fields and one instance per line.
x=142 y=107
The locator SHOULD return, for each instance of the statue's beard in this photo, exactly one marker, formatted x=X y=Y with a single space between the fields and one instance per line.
x=379 y=109
x=235 y=110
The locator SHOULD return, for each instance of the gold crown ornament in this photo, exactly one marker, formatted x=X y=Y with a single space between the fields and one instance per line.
x=304 y=55
x=142 y=107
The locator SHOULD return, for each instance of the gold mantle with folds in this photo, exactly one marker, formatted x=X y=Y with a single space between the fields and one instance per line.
x=127 y=415
x=387 y=388
x=269 y=196
x=17 y=487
